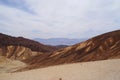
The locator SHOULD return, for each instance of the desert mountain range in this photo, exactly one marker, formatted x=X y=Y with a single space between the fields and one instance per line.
x=37 y=55
x=102 y=47
x=21 y=48
x=59 y=41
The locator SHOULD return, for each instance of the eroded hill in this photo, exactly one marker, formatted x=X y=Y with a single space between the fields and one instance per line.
x=102 y=47
x=37 y=55
x=21 y=48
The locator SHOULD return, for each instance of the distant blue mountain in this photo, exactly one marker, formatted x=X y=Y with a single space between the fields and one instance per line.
x=59 y=41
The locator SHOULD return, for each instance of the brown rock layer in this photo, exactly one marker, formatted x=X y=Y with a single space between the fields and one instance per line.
x=6 y=40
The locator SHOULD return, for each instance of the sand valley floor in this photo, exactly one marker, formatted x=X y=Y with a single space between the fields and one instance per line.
x=97 y=70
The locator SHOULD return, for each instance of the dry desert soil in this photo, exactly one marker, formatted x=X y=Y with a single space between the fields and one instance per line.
x=96 y=70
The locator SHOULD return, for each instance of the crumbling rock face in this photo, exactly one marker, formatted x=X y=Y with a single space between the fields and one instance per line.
x=18 y=52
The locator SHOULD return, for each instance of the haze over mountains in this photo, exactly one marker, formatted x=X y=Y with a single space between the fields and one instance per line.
x=59 y=41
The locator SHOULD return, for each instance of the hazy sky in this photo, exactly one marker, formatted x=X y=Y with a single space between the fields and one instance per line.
x=59 y=18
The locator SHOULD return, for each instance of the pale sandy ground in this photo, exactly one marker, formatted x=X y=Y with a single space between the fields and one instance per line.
x=7 y=65
x=98 y=70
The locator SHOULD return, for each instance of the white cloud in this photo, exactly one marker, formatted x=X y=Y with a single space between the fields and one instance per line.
x=61 y=18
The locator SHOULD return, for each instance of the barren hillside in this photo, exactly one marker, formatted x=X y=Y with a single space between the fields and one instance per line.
x=102 y=47
x=21 y=48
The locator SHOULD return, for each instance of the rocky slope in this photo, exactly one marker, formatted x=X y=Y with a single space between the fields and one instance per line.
x=21 y=48
x=102 y=47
